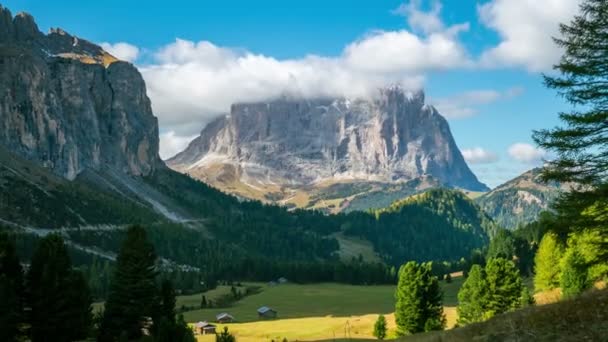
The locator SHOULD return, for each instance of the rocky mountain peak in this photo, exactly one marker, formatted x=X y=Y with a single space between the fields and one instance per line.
x=391 y=137
x=70 y=105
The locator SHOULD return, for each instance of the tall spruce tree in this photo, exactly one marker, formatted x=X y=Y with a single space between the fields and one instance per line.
x=472 y=297
x=504 y=286
x=547 y=263
x=167 y=295
x=59 y=296
x=419 y=300
x=133 y=298
x=11 y=290
x=487 y=292
x=581 y=144
x=573 y=280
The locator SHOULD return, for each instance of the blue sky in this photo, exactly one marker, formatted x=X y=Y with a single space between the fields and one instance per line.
x=480 y=62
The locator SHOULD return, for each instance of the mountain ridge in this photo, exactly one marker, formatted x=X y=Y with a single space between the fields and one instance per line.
x=521 y=199
x=70 y=105
x=289 y=144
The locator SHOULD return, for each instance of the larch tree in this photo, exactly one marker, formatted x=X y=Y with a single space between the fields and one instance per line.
x=573 y=280
x=547 y=263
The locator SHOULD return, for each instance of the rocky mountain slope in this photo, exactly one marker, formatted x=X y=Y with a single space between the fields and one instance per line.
x=293 y=143
x=521 y=199
x=69 y=105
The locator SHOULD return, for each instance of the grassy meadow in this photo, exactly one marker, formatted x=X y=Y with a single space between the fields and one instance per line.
x=314 y=312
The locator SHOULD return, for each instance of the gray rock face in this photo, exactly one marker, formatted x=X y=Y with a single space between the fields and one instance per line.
x=68 y=104
x=390 y=138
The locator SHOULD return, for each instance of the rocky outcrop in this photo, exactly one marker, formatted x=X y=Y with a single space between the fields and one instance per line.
x=522 y=199
x=69 y=105
x=392 y=137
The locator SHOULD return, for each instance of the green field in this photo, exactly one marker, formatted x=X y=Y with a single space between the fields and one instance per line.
x=314 y=312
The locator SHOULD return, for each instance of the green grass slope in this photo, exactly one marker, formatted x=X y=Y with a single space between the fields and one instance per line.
x=581 y=319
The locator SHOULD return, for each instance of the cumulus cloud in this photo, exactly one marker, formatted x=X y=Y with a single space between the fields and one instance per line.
x=526 y=153
x=123 y=51
x=465 y=104
x=478 y=155
x=525 y=28
x=418 y=20
x=190 y=83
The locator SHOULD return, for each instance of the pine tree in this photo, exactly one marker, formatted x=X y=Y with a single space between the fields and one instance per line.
x=225 y=336
x=472 y=297
x=11 y=290
x=133 y=295
x=167 y=294
x=419 y=306
x=547 y=263
x=504 y=286
x=59 y=296
x=380 y=328
x=581 y=144
x=573 y=280
x=169 y=329
x=183 y=333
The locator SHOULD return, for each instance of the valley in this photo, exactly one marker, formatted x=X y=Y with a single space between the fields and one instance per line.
x=324 y=208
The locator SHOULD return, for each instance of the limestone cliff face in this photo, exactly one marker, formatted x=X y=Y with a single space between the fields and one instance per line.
x=390 y=138
x=68 y=104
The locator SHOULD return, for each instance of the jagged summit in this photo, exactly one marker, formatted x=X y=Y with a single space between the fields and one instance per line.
x=69 y=104
x=392 y=137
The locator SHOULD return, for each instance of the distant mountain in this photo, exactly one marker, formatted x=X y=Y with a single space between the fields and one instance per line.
x=521 y=199
x=289 y=150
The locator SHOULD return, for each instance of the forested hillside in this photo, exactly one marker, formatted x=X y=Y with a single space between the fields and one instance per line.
x=217 y=236
x=440 y=223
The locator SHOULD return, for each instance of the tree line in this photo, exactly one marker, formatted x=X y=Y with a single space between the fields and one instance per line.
x=52 y=300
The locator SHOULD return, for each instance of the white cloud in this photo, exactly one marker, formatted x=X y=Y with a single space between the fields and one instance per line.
x=122 y=51
x=190 y=83
x=478 y=155
x=171 y=144
x=427 y=22
x=403 y=51
x=464 y=105
x=526 y=153
x=526 y=28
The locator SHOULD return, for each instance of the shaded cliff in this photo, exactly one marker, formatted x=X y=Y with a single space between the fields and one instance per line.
x=69 y=105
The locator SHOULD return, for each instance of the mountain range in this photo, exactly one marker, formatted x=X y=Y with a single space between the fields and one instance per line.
x=79 y=155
